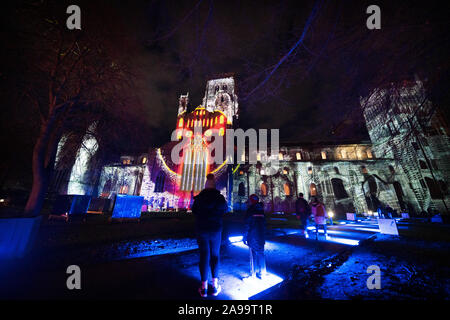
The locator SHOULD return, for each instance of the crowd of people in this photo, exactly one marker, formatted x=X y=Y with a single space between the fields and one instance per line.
x=209 y=207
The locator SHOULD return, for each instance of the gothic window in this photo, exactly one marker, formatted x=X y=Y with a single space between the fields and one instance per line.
x=423 y=165
x=338 y=189
x=107 y=187
x=241 y=190
x=435 y=192
x=160 y=179
x=373 y=188
x=313 y=189
x=123 y=189
x=336 y=169
x=434 y=163
x=263 y=189
x=287 y=189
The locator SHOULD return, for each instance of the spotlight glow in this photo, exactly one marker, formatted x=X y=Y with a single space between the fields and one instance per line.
x=235 y=239
x=251 y=286
x=350 y=242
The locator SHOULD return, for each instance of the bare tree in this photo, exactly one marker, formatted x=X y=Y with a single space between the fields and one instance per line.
x=73 y=78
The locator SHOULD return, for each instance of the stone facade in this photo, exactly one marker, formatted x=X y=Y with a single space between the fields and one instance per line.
x=403 y=125
x=393 y=169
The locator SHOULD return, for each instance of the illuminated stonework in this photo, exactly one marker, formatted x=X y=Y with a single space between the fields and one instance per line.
x=389 y=170
x=400 y=127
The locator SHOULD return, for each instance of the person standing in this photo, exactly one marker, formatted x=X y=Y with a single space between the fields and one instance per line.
x=319 y=214
x=303 y=211
x=254 y=236
x=208 y=208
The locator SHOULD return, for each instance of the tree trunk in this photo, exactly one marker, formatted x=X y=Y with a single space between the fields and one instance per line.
x=38 y=191
x=44 y=153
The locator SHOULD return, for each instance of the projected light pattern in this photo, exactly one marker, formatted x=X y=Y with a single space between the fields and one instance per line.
x=195 y=166
x=77 y=182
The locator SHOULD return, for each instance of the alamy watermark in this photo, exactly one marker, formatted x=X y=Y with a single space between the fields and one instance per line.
x=374 y=280
x=374 y=20
x=74 y=280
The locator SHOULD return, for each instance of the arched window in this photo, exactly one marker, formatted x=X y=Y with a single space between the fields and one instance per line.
x=313 y=189
x=180 y=123
x=336 y=170
x=159 y=184
x=263 y=189
x=373 y=187
x=423 y=165
x=241 y=190
x=123 y=189
x=287 y=189
x=221 y=119
x=338 y=189
x=435 y=191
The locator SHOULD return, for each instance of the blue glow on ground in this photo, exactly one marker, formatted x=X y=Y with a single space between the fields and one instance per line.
x=350 y=242
x=251 y=286
x=368 y=229
x=269 y=245
x=235 y=239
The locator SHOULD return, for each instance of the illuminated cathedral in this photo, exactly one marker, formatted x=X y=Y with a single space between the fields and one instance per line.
x=392 y=169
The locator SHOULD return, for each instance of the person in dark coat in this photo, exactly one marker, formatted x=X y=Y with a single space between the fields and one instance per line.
x=208 y=208
x=254 y=236
x=302 y=212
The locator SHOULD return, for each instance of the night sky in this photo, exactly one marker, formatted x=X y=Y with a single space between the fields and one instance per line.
x=173 y=47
